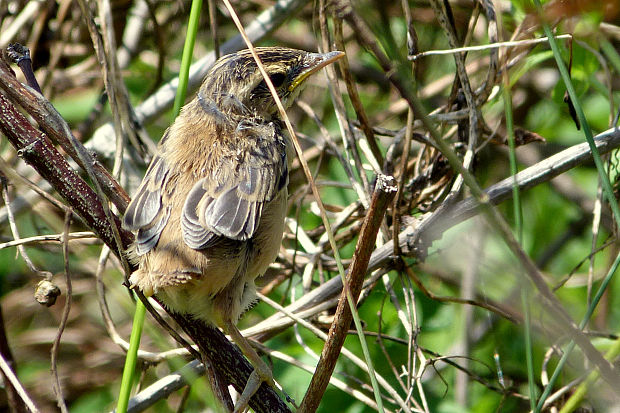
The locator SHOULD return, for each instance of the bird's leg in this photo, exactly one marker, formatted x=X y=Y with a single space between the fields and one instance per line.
x=261 y=373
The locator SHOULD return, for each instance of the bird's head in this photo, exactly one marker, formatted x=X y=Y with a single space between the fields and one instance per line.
x=234 y=84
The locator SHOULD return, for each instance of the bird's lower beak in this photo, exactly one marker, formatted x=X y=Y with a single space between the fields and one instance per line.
x=315 y=62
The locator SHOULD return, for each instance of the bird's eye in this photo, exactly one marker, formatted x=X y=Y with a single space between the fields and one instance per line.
x=277 y=79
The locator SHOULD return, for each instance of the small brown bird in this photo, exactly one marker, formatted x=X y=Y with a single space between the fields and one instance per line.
x=209 y=214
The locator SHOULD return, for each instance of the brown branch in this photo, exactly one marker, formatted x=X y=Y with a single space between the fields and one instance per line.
x=38 y=151
x=52 y=123
x=228 y=362
x=383 y=194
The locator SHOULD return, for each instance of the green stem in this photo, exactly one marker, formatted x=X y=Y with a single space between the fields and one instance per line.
x=607 y=189
x=139 y=315
x=518 y=216
x=188 y=50
x=571 y=344
x=582 y=391
x=131 y=359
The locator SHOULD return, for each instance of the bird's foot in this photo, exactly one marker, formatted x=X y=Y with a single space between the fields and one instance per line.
x=262 y=373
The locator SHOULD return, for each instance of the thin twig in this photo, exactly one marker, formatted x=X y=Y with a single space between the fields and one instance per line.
x=15 y=231
x=56 y=386
x=9 y=374
x=15 y=177
x=443 y=13
x=348 y=140
x=375 y=155
x=15 y=401
x=496 y=45
x=56 y=238
x=213 y=26
x=52 y=123
x=459 y=300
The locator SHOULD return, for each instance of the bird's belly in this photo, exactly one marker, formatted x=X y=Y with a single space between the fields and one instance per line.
x=268 y=238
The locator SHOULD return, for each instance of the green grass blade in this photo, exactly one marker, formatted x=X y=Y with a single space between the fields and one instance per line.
x=139 y=315
x=571 y=345
x=188 y=51
x=607 y=188
x=131 y=359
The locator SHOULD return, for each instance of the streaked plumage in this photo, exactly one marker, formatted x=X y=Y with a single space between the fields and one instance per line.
x=209 y=214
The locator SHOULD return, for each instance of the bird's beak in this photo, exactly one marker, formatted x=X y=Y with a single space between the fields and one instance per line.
x=314 y=62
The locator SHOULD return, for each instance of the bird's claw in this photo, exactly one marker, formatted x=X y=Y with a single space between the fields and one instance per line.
x=262 y=373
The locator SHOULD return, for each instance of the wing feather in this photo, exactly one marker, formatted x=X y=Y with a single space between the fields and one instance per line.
x=232 y=207
x=195 y=234
x=145 y=213
x=232 y=215
x=227 y=204
x=148 y=237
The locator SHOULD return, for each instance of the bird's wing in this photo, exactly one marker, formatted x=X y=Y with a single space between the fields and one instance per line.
x=146 y=213
x=229 y=203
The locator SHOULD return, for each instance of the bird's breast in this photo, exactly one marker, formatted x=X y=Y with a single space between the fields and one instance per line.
x=268 y=237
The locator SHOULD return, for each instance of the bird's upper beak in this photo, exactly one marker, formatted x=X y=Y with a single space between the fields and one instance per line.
x=314 y=62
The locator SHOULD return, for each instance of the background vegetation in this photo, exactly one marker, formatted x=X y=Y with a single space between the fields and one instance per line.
x=447 y=315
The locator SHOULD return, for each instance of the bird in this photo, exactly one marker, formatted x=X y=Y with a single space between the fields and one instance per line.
x=208 y=217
